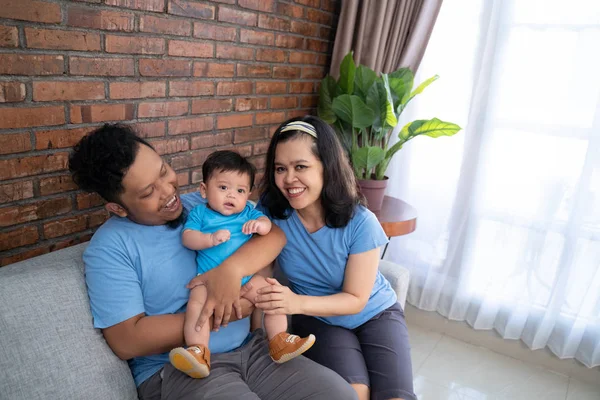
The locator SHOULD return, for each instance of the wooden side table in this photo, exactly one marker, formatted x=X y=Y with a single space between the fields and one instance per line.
x=397 y=218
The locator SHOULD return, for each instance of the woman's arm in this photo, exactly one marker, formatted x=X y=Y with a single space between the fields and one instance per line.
x=359 y=278
x=223 y=282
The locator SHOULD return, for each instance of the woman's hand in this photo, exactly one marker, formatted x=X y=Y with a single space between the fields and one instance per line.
x=277 y=299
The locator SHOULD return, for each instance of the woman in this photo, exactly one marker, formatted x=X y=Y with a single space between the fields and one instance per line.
x=331 y=260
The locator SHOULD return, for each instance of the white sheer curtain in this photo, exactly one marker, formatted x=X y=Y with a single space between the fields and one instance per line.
x=508 y=232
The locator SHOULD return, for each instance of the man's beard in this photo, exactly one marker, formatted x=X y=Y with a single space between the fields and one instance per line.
x=177 y=222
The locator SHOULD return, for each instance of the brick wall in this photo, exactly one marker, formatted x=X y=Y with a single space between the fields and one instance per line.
x=191 y=76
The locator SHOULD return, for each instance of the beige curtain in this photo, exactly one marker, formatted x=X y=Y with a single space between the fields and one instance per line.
x=384 y=34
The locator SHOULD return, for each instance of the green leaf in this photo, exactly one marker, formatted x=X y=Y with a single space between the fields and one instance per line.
x=327 y=92
x=347 y=71
x=367 y=157
x=433 y=128
x=353 y=110
x=420 y=88
x=401 y=82
x=390 y=117
x=363 y=81
x=379 y=100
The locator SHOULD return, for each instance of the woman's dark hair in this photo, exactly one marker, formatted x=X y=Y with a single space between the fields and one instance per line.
x=340 y=194
x=101 y=159
x=225 y=161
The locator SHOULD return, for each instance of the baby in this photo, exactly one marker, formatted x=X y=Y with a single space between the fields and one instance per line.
x=216 y=230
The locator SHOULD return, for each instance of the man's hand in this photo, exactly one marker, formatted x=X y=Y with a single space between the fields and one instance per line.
x=220 y=236
x=223 y=295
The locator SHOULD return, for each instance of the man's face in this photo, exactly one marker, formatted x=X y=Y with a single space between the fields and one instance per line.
x=151 y=192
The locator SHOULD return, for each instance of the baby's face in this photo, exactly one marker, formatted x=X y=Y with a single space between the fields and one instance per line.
x=227 y=191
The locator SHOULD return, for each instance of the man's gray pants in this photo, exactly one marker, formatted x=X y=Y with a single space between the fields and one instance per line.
x=249 y=373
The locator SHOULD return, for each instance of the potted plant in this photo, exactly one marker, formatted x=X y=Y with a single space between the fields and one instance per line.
x=364 y=109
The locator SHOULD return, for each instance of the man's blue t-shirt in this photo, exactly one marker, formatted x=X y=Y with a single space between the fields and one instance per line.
x=132 y=269
x=315 y=263
x=206 y=220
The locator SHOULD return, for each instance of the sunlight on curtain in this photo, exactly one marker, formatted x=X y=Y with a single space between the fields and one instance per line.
x=508 y=232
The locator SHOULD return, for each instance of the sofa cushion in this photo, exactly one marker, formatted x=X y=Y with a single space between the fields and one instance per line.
x=48 y=346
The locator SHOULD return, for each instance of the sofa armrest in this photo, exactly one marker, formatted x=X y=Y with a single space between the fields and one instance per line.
x=398 y=277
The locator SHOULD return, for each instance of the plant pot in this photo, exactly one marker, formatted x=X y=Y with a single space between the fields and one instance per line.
x=374 y=191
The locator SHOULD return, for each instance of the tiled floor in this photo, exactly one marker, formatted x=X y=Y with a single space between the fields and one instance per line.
x=446 y=368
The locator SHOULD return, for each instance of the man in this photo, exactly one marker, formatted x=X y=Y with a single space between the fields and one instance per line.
x=137 y=270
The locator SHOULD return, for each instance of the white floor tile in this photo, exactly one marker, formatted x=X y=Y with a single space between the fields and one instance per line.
x=582 y=391
x=426 y=389
x=422 y=343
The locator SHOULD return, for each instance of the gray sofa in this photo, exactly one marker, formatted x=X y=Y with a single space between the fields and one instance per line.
x=48 y=347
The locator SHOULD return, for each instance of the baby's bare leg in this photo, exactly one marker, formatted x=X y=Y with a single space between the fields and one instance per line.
x=274 y=324
x=194 y=308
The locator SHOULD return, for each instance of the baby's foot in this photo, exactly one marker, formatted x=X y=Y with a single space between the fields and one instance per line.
x=283 y=347
x=193 y=361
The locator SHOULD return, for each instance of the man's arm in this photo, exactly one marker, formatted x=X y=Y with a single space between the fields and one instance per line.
x=223 y=283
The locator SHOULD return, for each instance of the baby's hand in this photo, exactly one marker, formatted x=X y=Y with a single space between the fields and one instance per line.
x=220 y=236
x=262 y=227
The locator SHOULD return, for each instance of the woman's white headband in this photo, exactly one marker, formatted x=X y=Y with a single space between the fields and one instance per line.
x=300 y=126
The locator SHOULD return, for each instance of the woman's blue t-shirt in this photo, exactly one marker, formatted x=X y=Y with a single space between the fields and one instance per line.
x=315 y=263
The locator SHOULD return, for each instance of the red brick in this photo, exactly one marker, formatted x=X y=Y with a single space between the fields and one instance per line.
x=206 y=141
x=21 y=213
x=254 y=37
x=294 y=114
x=27 y=166
x=162 y=109
x=19 y=64
x=150 y=129
x=247 y=104
x=270 y=55
x=234 y=52
x=67 y=90
x=157 y=67
x=56 y=184
x=12 y=92
x=305 y=28
x=25 y=255
x=310 y=101
x=270 y=87
x=137 y=90
x=317 y=45
x=274 y=23
x=254 y=70
x=319 y=16
x=101 y=113
x=93 y=18
x=69 y=242
x=313 y=73
x=17 y=238
x=213 y=70
x=14 y=143
x=134 y=45
x=249 y=135
x=60 y=138
x=234 y=121
x=101 y=66
x=31 y=116
x=210 y=106
x=214 y=32
x=199 y=156
x=326 y=32
x=322 y=59
x=190 y=125
x=291 y=42
x=88 y=200
x=191 y=9
x=260 y=148
x=152 y=24
x=233 y=88
x=183 y=178
x=258 y=5
x=97 y=218
x=286 y=72
x=31 y=10
x=9 y=36
x=302 y=87
x=183 y=48
x=62 y=40
x=290 y=10
x=181 y=162
x=310 y=3
x=270 y=118
x=237 y=17
x=65 y=226
x=16 y=191
x=284 y=102
x=170 y=146
x=329 y=5
x=259 y=163
x=191 y=88
x=146 y=5
x=302 y=58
